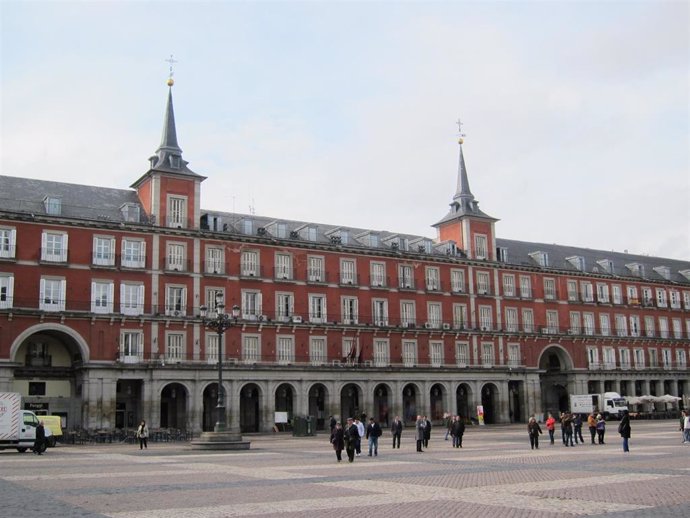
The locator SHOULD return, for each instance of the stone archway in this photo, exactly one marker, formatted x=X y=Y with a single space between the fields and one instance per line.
x=210 y=403
x=250 y=403
x=556 y=367
x=350 y=402
x=381 y=404
x=463 y=397
x=490 y=398
x=284 y=400
x=411 y=405
x=436 y=398
x=173 y=410
x=318 y=399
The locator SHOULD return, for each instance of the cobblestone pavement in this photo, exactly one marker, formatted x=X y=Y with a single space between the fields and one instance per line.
x=494 y=474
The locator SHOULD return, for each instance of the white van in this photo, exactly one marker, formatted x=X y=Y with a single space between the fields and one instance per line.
x=17 y=426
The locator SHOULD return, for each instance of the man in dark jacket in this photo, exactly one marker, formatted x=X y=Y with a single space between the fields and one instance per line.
x=373 y=434
x=350 y=437
x=427 y=431
x=39 y=442
x=624 y=429
x=457 y=431
x=396 y=430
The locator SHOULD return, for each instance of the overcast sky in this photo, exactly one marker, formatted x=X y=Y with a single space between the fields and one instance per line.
x=576 y=113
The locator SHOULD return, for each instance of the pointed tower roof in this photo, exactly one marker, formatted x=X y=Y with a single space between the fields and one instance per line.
x=168 y=157
x=463 y=203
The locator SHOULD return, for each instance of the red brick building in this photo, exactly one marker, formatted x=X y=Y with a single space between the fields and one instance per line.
x=100 y=291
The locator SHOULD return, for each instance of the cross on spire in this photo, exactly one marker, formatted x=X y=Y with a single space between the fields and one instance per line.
x=460 y=125
x=171 y=61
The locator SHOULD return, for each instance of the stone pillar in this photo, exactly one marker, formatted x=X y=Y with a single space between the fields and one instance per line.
x=503 y=402
x=147 y=403
x=452 y=400
x=232 y=403
x=195 y=408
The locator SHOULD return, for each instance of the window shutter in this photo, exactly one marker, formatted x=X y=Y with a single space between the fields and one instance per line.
x=63 y=256
x=44 y=246
x=94 y=250
x=93 y=297
x=41 y=293
x=111 y=296
x=143 y=253
x=122 y=297
x=63 y=293
x=13 y=242
x=140 y=299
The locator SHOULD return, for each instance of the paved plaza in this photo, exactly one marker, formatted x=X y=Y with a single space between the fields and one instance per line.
x=494 y=474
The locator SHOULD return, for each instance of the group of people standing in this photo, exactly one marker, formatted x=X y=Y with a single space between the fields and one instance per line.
x=571 y=429
x=349 y=438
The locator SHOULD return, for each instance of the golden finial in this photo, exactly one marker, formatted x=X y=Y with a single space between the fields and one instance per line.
x=171 y=61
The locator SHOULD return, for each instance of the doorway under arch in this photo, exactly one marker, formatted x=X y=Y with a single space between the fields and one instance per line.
x=174 y=406
x=490 y=403
x=250 y=417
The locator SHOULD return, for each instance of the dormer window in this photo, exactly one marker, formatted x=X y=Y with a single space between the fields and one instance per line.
x=636 y=269
x=281 y=230
x=344 y=237
x=311 y=233
x=502 y=254
x=53 y=205
x=130 y=212
x=577 y=261
x=542 y=258
x=247 y=227
x=373 y=240
x=606 y=264
x=685 y=273
x=664 y=271
x=174 y=162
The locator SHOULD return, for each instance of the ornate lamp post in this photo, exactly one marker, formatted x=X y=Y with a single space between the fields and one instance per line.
x=220 y=323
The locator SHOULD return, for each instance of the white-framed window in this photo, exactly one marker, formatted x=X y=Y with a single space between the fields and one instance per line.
x=552 y=322
x=663 y=327
x=317 y=309
x=409 y=353
x=406 y=276
x=212 y=348
x=525 y=287
x=575 y=323
x=649 y=328
x=572 y=291
x=617 y=294
x=249 y=263
x=674 y=299
x=176 y=257
x=480 y=247
x=281 y=230
x=487 y=354
x=586 y=291
x=653 y=358
x=133 y=253
x=686 y=299
x=251 y=304
x=311 y=233
x=382 y=354
x=549 y=289
x=54 y=246
x=687 y=327
x=8 y=242
x=104 y=250
x=131 y=346
x=528 y=320
x=348 y=271
x=462 y=354
x=661 y=298
x=102 y=294
x=638 y=354
x=285 y=349
x=436 y=353
x=593 y=357
x=460 y=316
x=350 y=310
x=647 y=299
x=604 y=324
x=486 y=320
x=350 y=349
x=602 y=293
x=457 y=281
x=434 y=314
x=632 y=295
x=215 y=261
x=609 y=357
x=408 y=313
x=621 y=325
x=483 y=283
x=52 y=205
x=508 y=285
x=433 y=281
x=624 y=358
x=667 y=358
x=514 y=355
x=512 y=324
x=541 y=258
x=283 y=266
x=52 y=294
x=247 y=226
x=317 y=350
x=130 y=212
x=212 y=293
x=175 y=346
x=6 y=290
x=315 y=272
x=177 y=211
x=635 y=328
x=379 y=308
x=681 y=359
x=588 y=323
x=175 y=301
x=285 y=306
x=378 y=274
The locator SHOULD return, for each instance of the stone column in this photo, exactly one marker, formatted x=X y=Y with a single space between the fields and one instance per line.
x=232 y=403
x=503 y=402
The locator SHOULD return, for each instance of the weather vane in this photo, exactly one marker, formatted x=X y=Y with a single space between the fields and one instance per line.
x=171 y=61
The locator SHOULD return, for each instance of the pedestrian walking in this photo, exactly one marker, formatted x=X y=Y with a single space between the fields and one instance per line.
x=592 y=424
x=396 y=430
x=685 y=426
x=419 y=432
x=458 y=431
x=624 y=430
x=534 y=431
x=373 y=434
x=577 y=428
x=331 y=424
x=360 y=433
x=567 y=424
x=601 y=428
x=40 y=440
x=350 y=436
x=143 y=435
x=551 y=426
x=338 y=440
x=427 y=432
x=448 y=421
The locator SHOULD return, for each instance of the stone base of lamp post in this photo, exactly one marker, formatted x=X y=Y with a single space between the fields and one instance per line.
x=220 y=441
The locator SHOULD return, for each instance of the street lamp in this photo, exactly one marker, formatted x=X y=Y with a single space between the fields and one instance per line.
x=220 y=323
